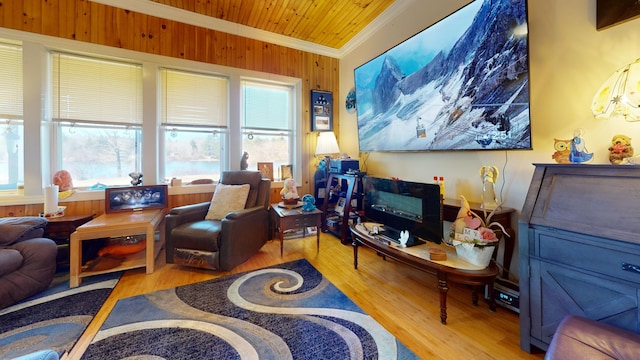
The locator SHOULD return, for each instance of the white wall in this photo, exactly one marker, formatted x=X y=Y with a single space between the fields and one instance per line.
x=569 y=60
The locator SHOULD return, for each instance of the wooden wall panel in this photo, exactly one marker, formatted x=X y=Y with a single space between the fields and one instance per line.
x=85 y=21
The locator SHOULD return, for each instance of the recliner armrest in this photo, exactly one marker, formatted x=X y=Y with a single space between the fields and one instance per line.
x=238 y=215
x=187 y=213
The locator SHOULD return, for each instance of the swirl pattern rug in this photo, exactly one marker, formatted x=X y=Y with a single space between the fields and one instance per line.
x=288 y=311
x=55 y=318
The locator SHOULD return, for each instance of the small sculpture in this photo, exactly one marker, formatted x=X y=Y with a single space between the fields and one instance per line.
x=620 y=149
x=289 y=192
x=404 y=237
x=63 y=179
x=563 y=149
x=579 y=152
x=489 y=175
x=308 y=202
x=136 y=178
x=244 y=163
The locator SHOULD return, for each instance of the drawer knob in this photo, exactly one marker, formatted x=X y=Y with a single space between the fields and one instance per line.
x=630 y=267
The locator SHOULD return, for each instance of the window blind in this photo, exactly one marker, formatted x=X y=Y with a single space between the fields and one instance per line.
x=266 y=106
x=194 y=99
x=11 y=86
x=96 y=90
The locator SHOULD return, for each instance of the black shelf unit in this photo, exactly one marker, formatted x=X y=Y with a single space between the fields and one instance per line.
x=342 y=186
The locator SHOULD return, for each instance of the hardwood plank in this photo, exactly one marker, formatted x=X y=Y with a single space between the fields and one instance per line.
x=403 y=300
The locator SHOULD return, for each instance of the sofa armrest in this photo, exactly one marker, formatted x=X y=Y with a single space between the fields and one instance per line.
x=187 y=213
x=581 y=338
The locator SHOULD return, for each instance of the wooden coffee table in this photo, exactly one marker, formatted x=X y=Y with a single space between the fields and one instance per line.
x=452 y=269
x=146 y=222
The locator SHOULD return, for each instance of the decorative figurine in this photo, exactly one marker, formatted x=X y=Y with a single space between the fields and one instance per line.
x=620 y=149
x=563 y=148
x=489 y=175
x=579 y=152
x=244 y=163
x=404 y=237
x=308 y=202
x=289 y=192
x=136 y=178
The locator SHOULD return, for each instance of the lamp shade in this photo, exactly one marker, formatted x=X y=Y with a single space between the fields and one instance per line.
x=619 y=95
x=327 y=144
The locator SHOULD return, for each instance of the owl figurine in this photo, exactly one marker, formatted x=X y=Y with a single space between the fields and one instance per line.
x=563 y=149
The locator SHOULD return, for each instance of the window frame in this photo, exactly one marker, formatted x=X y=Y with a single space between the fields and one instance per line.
x=37 y=118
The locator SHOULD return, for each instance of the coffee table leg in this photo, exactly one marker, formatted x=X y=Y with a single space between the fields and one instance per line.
x=443 y=287
x=355 y=253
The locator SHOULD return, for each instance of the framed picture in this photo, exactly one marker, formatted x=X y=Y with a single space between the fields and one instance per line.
x=613 y=12
x=321 y=110
x=266 y=169
x=286 y=171
x=340 y=206
x=134 y=198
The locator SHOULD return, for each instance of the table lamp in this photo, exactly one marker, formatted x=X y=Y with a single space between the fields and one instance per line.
x=327 y=145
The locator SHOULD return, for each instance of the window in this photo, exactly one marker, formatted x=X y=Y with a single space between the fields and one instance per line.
x=11 y=117
x=194 y=122
x=97 y=117
x=268 y=131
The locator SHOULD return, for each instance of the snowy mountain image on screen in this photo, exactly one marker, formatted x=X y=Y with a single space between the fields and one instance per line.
x=459 y=84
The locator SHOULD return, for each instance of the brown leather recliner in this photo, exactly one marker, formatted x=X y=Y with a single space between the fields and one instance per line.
x=27 y=260
x=192 y=240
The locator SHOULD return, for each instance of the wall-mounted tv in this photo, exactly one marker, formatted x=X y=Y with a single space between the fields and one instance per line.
x=460 y=84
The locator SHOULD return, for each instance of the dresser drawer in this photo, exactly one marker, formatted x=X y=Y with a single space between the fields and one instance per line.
x=608 y=257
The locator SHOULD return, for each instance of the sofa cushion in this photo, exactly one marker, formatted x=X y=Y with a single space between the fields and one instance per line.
x=10 y=261
x=227 y=198
x=199 y=235
x=253 y=178
x=16 y=229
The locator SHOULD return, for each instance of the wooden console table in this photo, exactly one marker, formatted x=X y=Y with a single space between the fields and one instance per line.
x=452 y=269
x=450 y=209
x=115 y=225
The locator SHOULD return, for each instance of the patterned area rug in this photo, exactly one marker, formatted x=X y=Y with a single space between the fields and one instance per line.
x=288 y=311
x=54 y=319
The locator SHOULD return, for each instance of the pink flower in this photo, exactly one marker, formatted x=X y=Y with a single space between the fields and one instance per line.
x=487 y=234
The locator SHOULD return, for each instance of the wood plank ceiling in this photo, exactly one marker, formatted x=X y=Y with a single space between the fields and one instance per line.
x=331 y=23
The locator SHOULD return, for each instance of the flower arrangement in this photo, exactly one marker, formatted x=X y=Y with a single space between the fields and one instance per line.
x=469 y=228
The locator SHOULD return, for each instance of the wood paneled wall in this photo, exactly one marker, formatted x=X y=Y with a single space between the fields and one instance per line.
x=85 y=21
x=97 y=206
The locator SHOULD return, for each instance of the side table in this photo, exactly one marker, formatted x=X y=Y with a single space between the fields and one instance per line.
x=288 y=219
x=60 y=230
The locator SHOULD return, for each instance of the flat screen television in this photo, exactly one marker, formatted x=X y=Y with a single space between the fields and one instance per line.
x=460 y=84
x=404 y=205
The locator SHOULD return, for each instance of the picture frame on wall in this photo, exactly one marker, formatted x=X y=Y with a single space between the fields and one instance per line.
x=286 y=171
x=135 y=198
x=321 y=110
x=266 y=169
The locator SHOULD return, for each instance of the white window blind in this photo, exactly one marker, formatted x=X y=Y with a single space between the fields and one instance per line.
x=96 y=90
x=267 y=106
x=194 y=99
x=10 y=81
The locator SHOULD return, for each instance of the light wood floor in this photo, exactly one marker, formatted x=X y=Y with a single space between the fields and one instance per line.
x=402 y=299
